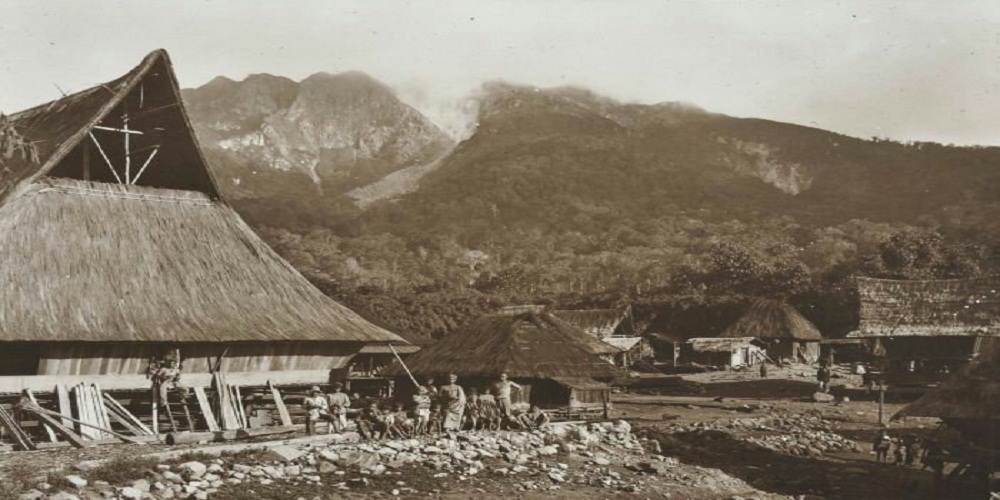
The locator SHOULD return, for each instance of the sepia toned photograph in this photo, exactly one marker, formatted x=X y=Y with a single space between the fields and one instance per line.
x=502 y=249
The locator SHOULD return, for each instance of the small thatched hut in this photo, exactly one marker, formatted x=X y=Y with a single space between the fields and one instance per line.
x=117 y=247
x=723 y=351
x=613 y=327
x=556 y=362
x=969 y=400
x=787 y=333
x=927 y=329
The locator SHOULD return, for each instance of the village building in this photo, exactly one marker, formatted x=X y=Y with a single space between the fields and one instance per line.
x=118 y=248
x=786 y=333
x=926 y=329
x=557 y=364
x=614 y=327
x=725 y=352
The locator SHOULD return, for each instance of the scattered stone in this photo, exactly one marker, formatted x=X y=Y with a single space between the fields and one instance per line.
x=284 y=454
x=76 y=481
x=193 y=469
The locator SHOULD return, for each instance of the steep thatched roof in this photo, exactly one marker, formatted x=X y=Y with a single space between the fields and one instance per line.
x=149 y=93
x=597 y=322
x=528 y=345
x=925 y=308
x=107 y=260
x=770 y=319
x=87 y=261
x=972 y=393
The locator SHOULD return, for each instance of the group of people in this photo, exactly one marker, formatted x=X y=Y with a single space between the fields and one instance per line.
x=906 y=450
x=433 y=410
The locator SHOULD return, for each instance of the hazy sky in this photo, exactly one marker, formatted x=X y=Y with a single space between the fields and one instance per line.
x=906 y=70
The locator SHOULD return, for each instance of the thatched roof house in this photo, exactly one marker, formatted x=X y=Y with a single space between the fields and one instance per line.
x=597 y=322
x=927 y=329
x=928 y=308
x=532 y=348
x=116 y=245
x=969 y=399
x=527 y=345
x=787 y=333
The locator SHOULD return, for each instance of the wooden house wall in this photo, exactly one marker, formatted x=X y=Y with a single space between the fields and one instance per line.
x=133 y=359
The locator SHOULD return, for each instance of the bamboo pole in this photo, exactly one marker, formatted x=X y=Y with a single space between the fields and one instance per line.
x=412 y=378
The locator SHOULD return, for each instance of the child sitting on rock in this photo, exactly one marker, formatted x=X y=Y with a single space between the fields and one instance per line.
x=399 y=424
x=489 y=412
x=370 y=422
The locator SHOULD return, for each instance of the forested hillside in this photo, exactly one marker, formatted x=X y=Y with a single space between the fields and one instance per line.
x=562 y=196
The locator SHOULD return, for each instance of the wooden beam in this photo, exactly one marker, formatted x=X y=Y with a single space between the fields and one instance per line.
x=44 y=383
x=22 y=438
x=105 y=156
x=286 y=419
x=125 y=130
x=40 y=410
x=86 y=160
x=206 y=408
x=48 y=429
x=113 y=403
x=146 y=164
x=73 y=438
x=62 y=393
x=128 y=152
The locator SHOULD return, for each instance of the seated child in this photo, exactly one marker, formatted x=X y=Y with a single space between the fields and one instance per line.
x=535 y=418
x=370 y=422
x=435 y=421
x=400 y=425
x=489 y=412
x=472 y=409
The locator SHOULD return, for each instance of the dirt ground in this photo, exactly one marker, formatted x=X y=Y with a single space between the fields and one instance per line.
x=665 y=409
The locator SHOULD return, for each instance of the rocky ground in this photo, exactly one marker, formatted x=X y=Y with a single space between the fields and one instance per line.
x=663 y=446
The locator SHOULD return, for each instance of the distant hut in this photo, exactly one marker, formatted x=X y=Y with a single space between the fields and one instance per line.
x=613 y=327
x=117 y=248
x=786 y=333
x=927 y=329
x=558 y=364
x=723 y=351
x=969 y=400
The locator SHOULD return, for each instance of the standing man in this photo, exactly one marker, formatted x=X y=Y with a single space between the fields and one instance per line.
x=339 y=403
x=501 y=389
x=454 y=401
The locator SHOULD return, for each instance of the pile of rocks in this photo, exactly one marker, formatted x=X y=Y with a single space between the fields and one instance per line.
x=803 y=434
x=541 y=457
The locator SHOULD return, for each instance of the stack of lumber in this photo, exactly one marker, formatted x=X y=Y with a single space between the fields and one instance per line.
x=125 y=418
x=90 y=410
x=229 y=402
x=15 y=431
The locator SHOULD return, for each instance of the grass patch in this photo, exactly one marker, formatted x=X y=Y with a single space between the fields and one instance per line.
x=17 y=479
x=192 y=456
x=248 y=455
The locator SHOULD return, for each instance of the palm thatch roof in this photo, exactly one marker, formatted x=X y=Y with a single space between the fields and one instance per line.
x=110 y=260
x=527 y=345
x=597 y=322
x=87 y=261
x=773 y=320
x=149 y=92
x=972 y=393
x=928 y=308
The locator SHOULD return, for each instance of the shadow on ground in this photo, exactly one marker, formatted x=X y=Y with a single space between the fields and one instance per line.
x=829 y=477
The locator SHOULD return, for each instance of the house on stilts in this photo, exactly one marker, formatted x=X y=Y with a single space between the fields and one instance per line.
x=117 y=248
x=926 y=330
x=559 y=366
x=785 y=332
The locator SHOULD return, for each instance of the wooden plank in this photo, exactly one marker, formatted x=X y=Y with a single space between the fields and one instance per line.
x=241 y=412
x=225 y=403
x=22 y=438
x=62 y=394
x=99 y=408
x=115 y=416
x=48 y=429
x=286 y=419
x=63 y=431
x=127 y=414
x=206 y=408
x=123 y=437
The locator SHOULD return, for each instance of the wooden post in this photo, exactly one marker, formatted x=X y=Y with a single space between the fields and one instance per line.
x=85 y=146
x=881 y=400
x=156 y=411
x=128 y=152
